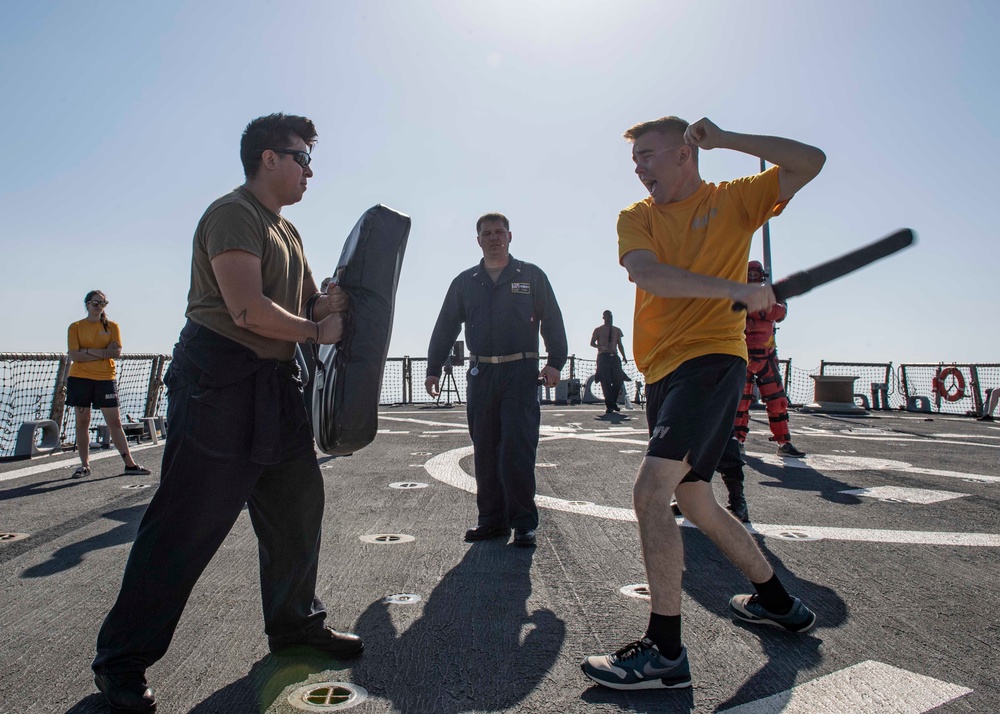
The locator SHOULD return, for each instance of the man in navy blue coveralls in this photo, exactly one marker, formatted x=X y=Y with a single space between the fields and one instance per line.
x=503 y=303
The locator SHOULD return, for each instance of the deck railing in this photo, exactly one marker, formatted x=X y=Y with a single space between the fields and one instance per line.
x=33 y=386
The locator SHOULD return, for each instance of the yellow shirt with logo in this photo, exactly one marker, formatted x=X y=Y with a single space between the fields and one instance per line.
x=85 y=334
x=707 y=233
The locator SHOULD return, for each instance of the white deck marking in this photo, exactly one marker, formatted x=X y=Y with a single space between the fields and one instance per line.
x=899 y=438
x=866 y=688
x=905 y=495
x=67 y=463
x=822 y=463
x=954 y=474
x=425 y=422
x=446 y=468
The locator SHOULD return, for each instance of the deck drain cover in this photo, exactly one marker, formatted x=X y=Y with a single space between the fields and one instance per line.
x=402 y=599
x=137 y=485
x=8 y=537
x=796 y=535
x=421 y=453
x=639 y=590
x=387 y=538
x=407 y=484
x=579 y=503
x=327 y=696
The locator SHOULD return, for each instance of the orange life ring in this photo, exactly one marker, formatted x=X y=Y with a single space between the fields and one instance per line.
x=945 y=391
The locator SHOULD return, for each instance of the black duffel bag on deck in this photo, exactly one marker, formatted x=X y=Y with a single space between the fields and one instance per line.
x=345 y=380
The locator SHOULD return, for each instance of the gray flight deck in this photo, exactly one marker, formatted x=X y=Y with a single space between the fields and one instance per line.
x=889 y=530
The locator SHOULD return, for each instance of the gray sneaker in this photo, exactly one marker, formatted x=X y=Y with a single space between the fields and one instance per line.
x=748 y=608
x=639 y=665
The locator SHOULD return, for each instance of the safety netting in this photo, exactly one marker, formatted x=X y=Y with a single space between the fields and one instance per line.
x=32 y=387
x=950 y=388
x=137 y=383
x=27 y=390
x=394 y=385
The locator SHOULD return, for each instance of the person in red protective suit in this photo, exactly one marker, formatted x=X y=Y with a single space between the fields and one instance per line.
x=762 y=368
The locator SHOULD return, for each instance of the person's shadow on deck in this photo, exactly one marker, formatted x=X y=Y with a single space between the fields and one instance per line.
x=798 y=476
x=69 y=556
x=475 y=647
x=710 y=579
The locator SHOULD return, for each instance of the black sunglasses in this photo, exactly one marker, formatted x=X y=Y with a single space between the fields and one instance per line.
x=98 y=303
x=302 y=158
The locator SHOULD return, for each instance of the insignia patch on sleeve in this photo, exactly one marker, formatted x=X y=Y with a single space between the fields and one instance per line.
x=521 y=288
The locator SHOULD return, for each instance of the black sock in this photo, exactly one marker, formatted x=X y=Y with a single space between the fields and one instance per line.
x=773 y=596
x=665 y=632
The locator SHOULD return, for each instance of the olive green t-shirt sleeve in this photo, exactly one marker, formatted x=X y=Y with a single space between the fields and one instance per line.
x=232 y=227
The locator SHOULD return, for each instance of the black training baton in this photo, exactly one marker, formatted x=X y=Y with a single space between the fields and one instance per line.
x=801 y=283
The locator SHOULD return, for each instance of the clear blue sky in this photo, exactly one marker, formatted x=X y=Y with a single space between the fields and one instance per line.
x=122 y=120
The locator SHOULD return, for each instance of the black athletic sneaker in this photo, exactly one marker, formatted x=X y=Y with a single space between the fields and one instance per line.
x=787 y=449
x=81 y=472
x=748 y=608
x=638 y=665
x=136 y=470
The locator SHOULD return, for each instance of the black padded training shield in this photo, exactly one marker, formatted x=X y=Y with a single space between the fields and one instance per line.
x=345 y=380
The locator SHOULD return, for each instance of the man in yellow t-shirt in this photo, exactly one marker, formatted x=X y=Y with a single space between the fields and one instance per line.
x=686 y=248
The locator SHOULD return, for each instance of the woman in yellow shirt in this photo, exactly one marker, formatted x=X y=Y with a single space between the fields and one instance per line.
x=94 y=343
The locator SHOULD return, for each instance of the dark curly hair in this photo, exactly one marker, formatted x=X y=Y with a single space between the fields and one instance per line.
x=275 y=131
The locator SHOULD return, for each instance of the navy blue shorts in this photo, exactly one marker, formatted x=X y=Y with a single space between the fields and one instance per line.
x=691 y=412
x=83 y=392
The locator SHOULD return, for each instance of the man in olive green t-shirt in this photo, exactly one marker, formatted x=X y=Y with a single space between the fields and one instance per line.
x=239 y=434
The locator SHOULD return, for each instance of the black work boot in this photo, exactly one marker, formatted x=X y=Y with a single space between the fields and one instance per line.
x=737 y=501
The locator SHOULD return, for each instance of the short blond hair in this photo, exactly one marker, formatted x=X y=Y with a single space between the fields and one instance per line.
x=664 y=125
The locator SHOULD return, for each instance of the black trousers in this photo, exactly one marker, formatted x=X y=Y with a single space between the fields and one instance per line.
x=206 y=479
x=609 y=374
x=504 y=417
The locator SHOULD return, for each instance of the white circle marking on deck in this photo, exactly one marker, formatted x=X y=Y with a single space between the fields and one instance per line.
x=446 y=468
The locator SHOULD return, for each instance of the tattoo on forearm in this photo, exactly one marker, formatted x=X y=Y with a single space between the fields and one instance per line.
x=242 y=319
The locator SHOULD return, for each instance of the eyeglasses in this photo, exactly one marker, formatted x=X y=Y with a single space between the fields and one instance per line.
x=302 y=158
x=99 y=303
